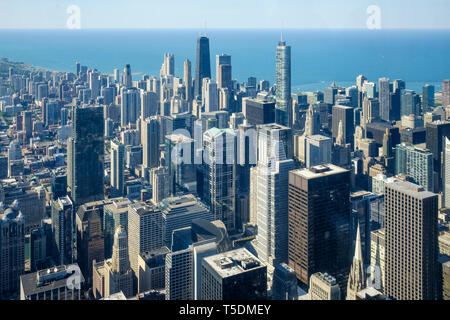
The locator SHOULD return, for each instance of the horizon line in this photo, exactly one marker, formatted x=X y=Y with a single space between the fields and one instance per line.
x=225 y=28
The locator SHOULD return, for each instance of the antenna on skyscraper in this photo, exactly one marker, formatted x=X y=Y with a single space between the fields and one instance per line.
x=205 y=27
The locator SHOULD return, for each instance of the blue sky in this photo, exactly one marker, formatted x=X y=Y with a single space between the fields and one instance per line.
x=42 y=14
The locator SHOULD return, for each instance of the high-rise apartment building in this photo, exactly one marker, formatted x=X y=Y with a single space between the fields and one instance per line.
x=117 y=167
x=283 y=83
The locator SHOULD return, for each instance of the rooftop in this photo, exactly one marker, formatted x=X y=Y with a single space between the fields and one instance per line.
x=234 y=262
x=319 y=171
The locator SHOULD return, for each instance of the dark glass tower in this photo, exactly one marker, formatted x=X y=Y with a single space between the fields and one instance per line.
x=86 y=155
x=203 y=65
x=283 y=82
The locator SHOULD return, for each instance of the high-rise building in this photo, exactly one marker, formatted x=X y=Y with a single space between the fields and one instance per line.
x=219 y=175
x=168 y=66
x=223 y=71
x=234 y=275
x=160 y=186
x=12 y=250
x=114 y=214
x=446 y=173
x=178 y=212
x=85 y=155
x=319 y=222
x=317 y=150
x=345 y=115
x=384 y=96
x=258 y=111
x=203 y=64
x=409 y=103
x=284 y=283
x=126 y=77
x=187 y=78
x=120 y=276
x=272 y=197
x=323 y=286
x=415 y=162
x=283 y=83
x=63 y=230
x=428 y=97
x=149 y=104
x=210 y=95
x=117 y=167
x=445 y=93
x=378 y=257
x=90 y=237
x=130 y=106
x=435 y=134
x=150 y=141
x=411 y=242
x=144 y=232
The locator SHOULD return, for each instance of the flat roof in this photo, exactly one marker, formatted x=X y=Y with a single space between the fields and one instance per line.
x=319 y=171
x=234 y=262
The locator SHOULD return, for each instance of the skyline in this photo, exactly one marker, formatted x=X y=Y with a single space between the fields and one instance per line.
x=178 y=14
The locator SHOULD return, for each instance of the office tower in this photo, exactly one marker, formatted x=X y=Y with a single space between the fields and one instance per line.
x=149 y=104
x=179 y=212
x=319 y=217
x=435 y=133
x=317 y=150
x=203 y=65
x=428 y=97
x=168 y=66
x=150 y=142
x=329 y=94
x=116 y=76
x=369 y=90
x=234 y=275
x=224 y=77
x=222 y=59
x=272 y=196
x=144 y=231
x=283 y=83
x=258 y=111
x=94 y=83
x=159 y=179
x=345 y=115
x=27 y=124
x=63 y=230
x=42 y=91
x=378 y=257
x=445 y=93
x=115 y=214
x=370 y=111
x=77 y=68
x=219 y=175
x=117 y=167
x=56 y=283
x=411 y=242
x=284 y=283
x=152 y=269
x=446 y=173
x=415 y=162
x=120 y=276
x=180 y=161
x=210 y=96
x=323 y=286
x=360 y=80
x=187 y=78
x=409 y=103
x=50 y=112
x=357 y=276
x=85 y=155
x=12 y=253
x=179 y=275
x=384 y=98
x=129 y=108
x=126 y=77
x=90 y=238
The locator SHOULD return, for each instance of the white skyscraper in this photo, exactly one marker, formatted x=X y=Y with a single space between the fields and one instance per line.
x=384 y=98
x=211 y=96
x=117 y=167
x=446 y=180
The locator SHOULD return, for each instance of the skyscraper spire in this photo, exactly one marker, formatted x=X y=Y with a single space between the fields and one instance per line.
x=357 y=278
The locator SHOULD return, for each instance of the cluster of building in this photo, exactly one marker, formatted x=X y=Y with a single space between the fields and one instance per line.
x=198 y=188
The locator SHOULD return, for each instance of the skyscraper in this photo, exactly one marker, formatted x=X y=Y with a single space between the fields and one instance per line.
x=428 y=97
x=411 y=242
x=130 y=106
x=283 y=82
x=126 y=77
x=203 y=64
x=345 y=115
x=384 y=98
x=272 y=197
x=121 y=274
x=85 y=155
x=63 y=230
x=12 y=252
x=446 y=93
x=187 y=78
x=117 y=167
x=446 y=173
x=223 y=71
x=415 y=162
x=150 y=142
x=319 y=222
x=219 y=175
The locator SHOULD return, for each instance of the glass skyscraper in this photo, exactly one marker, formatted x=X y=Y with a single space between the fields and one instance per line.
x=203 y=65
x=283 y=83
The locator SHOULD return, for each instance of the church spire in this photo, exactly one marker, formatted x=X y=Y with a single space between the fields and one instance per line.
x=357 y=277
